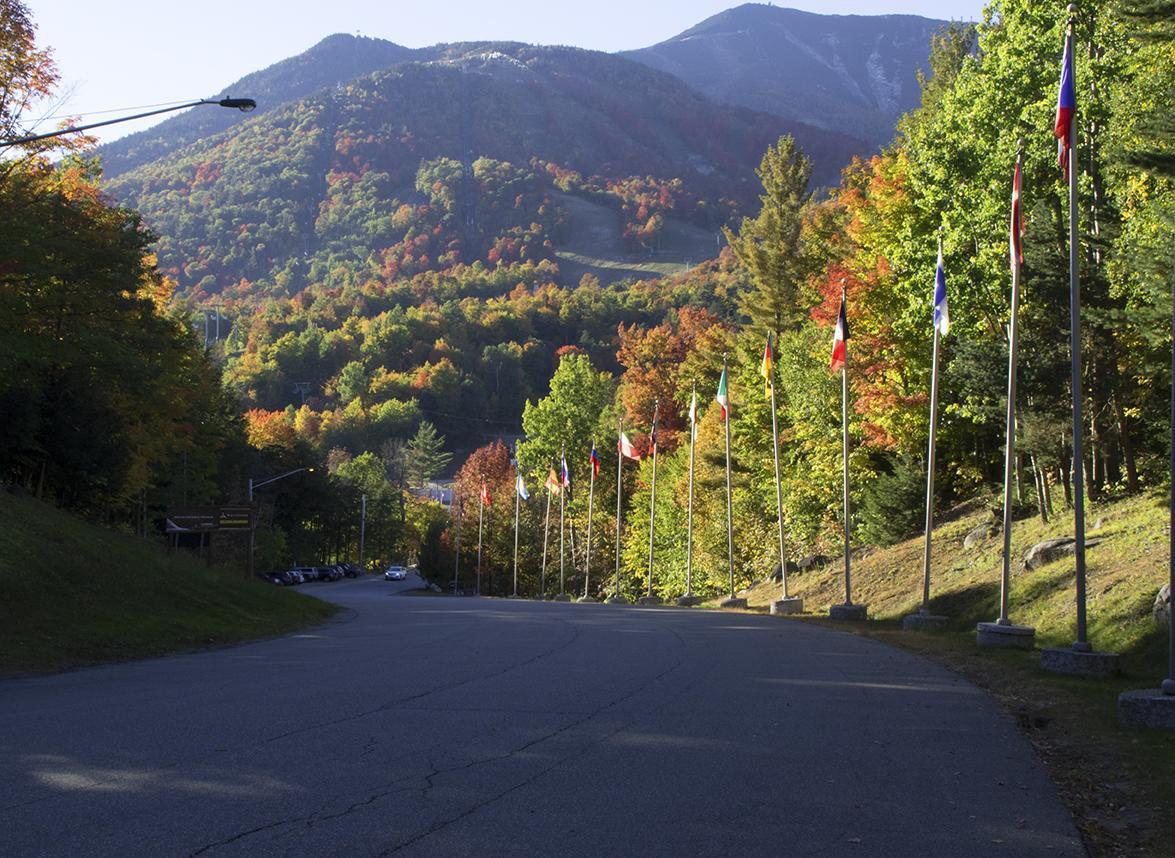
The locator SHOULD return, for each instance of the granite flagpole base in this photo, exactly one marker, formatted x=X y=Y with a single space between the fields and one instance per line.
x=1150 y=707
x=848 y=611
x=1079 y=660
x=616 y=600
x=734 y=602
x=561 y=597
x=650 y=600
x=689 y=601
x=792 y=605
x=924 y=621
x=583 y=600
x=1004 y=635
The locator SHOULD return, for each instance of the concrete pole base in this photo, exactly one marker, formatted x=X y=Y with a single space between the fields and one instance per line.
x=792 y=605
x=561 y=597
x=848 y=612
x=585 y=600
x=1004 y=636
x=650 y=600
x=733 y=603
x=513 y=596
x=1148 y=708
x=1076 y=662
x=689 y=601
x=924 y=622
x=616 y=600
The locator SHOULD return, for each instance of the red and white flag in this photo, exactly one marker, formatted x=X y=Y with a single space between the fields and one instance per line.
x=628 y=449
x=485 y=494
x=839 y=338
x=1016 y=233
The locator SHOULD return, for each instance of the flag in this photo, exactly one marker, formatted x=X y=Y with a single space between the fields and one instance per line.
x=595 y=461
x=485 y=493
x=693 y=408
x=552 y=484
x=1066 y=107
x=520 y=487
x=1017 y=229
x=765 y=370
x=942 y=319
x=653 y=433
x=566 y=474
x=839 y=337
x=626 y=448
x=722 y=397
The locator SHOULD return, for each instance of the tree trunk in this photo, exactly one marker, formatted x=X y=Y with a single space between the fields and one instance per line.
x=1065 y=469
x=1038 y=482
x=1127 y=448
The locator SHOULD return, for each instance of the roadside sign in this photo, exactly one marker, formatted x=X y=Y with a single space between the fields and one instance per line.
x=206 y=519
x=234 y=518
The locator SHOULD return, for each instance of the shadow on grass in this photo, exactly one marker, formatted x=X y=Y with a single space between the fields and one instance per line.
x=975 y=604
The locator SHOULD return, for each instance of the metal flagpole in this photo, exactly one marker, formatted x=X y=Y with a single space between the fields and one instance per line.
x=844 y=419
x=587 y=563
x=930 y=461
x=456 y=545
x=362 y=528
x=481 y=508
x=619 y=466
x=562 y=493
x=1010 y=430
x=1081 y=644
x=729 y=506
x=689 y=516
x=778 y=486
x=517 y=502
x=652 y=501
x=546 y=534
x=1168 y=685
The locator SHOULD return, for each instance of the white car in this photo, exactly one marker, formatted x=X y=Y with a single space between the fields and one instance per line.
x=396 y=573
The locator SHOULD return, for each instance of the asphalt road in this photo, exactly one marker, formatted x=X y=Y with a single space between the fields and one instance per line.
x=439 y=725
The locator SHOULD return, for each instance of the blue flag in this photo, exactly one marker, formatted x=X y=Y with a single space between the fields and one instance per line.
x=942 y=319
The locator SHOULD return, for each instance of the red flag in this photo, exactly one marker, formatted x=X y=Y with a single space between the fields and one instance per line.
x=839 y=337
x=485 y=493
x=1066 y=107
x=626 y=448
x=1016 y=233
x=552 y=483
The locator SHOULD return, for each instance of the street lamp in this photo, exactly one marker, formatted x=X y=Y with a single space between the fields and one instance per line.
x=242 y=104
x=253 y=484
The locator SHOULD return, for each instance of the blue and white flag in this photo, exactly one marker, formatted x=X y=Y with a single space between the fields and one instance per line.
x=520 y=487
x=942 y=319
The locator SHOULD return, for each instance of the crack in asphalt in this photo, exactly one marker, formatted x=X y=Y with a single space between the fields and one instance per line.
x=442 y=824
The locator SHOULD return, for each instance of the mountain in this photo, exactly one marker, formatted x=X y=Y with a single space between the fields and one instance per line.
x=459 y=158
x=850 y=73
x=332 y=62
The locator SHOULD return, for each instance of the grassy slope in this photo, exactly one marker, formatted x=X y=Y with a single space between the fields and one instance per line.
x=1116 y=782
x=73 y=594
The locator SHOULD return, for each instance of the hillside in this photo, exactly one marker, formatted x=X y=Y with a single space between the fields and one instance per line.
x=74 y=594
x=332 y=62
x=336 y=178
x=851 y=73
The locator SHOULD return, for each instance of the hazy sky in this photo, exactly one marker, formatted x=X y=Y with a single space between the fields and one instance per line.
x=119 y=55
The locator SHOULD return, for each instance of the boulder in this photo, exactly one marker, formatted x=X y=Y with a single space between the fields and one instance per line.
x=791 y=567
x=1052 y=550
x=976 y=536
x=812 y=561
x=1162 y=607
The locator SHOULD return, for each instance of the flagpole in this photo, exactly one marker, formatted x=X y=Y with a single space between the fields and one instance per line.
x=923 y=619
x=689 y=598
x=785 y=604
x=546 y=535
x=729 y=506
x=616 y=595
x=844 y=419
x=1002 y=633
x=481 y=508
x=1081 y=644
x=649 y=598
x=587 y=563
x=517 y=503
x=456 y=546
x=562 y=493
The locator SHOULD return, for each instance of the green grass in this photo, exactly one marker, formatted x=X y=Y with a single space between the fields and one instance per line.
x=73 y=594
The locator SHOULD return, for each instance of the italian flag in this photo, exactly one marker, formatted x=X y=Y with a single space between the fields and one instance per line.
x=722 y=397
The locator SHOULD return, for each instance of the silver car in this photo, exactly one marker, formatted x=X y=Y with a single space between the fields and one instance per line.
x=396 y=573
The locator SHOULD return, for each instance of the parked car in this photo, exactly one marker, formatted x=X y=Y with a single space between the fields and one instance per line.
x=280 y=577
x=351 y=570
x=329 y=573
x=396 y=573
x=308 y=573
x=295 y=576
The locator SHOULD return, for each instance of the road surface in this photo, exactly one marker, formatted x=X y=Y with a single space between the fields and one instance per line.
x=422 y=725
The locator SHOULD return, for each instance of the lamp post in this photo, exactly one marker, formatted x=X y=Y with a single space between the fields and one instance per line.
x=242 y=104
x=256 y=484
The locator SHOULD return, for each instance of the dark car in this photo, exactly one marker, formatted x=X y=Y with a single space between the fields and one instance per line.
x=329 y=573
x=280 y=577
x=351 y=570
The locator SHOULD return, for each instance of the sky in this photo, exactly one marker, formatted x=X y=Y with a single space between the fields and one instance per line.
x=118 y=57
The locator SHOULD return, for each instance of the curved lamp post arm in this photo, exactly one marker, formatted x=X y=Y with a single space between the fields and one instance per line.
x=242 y=104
